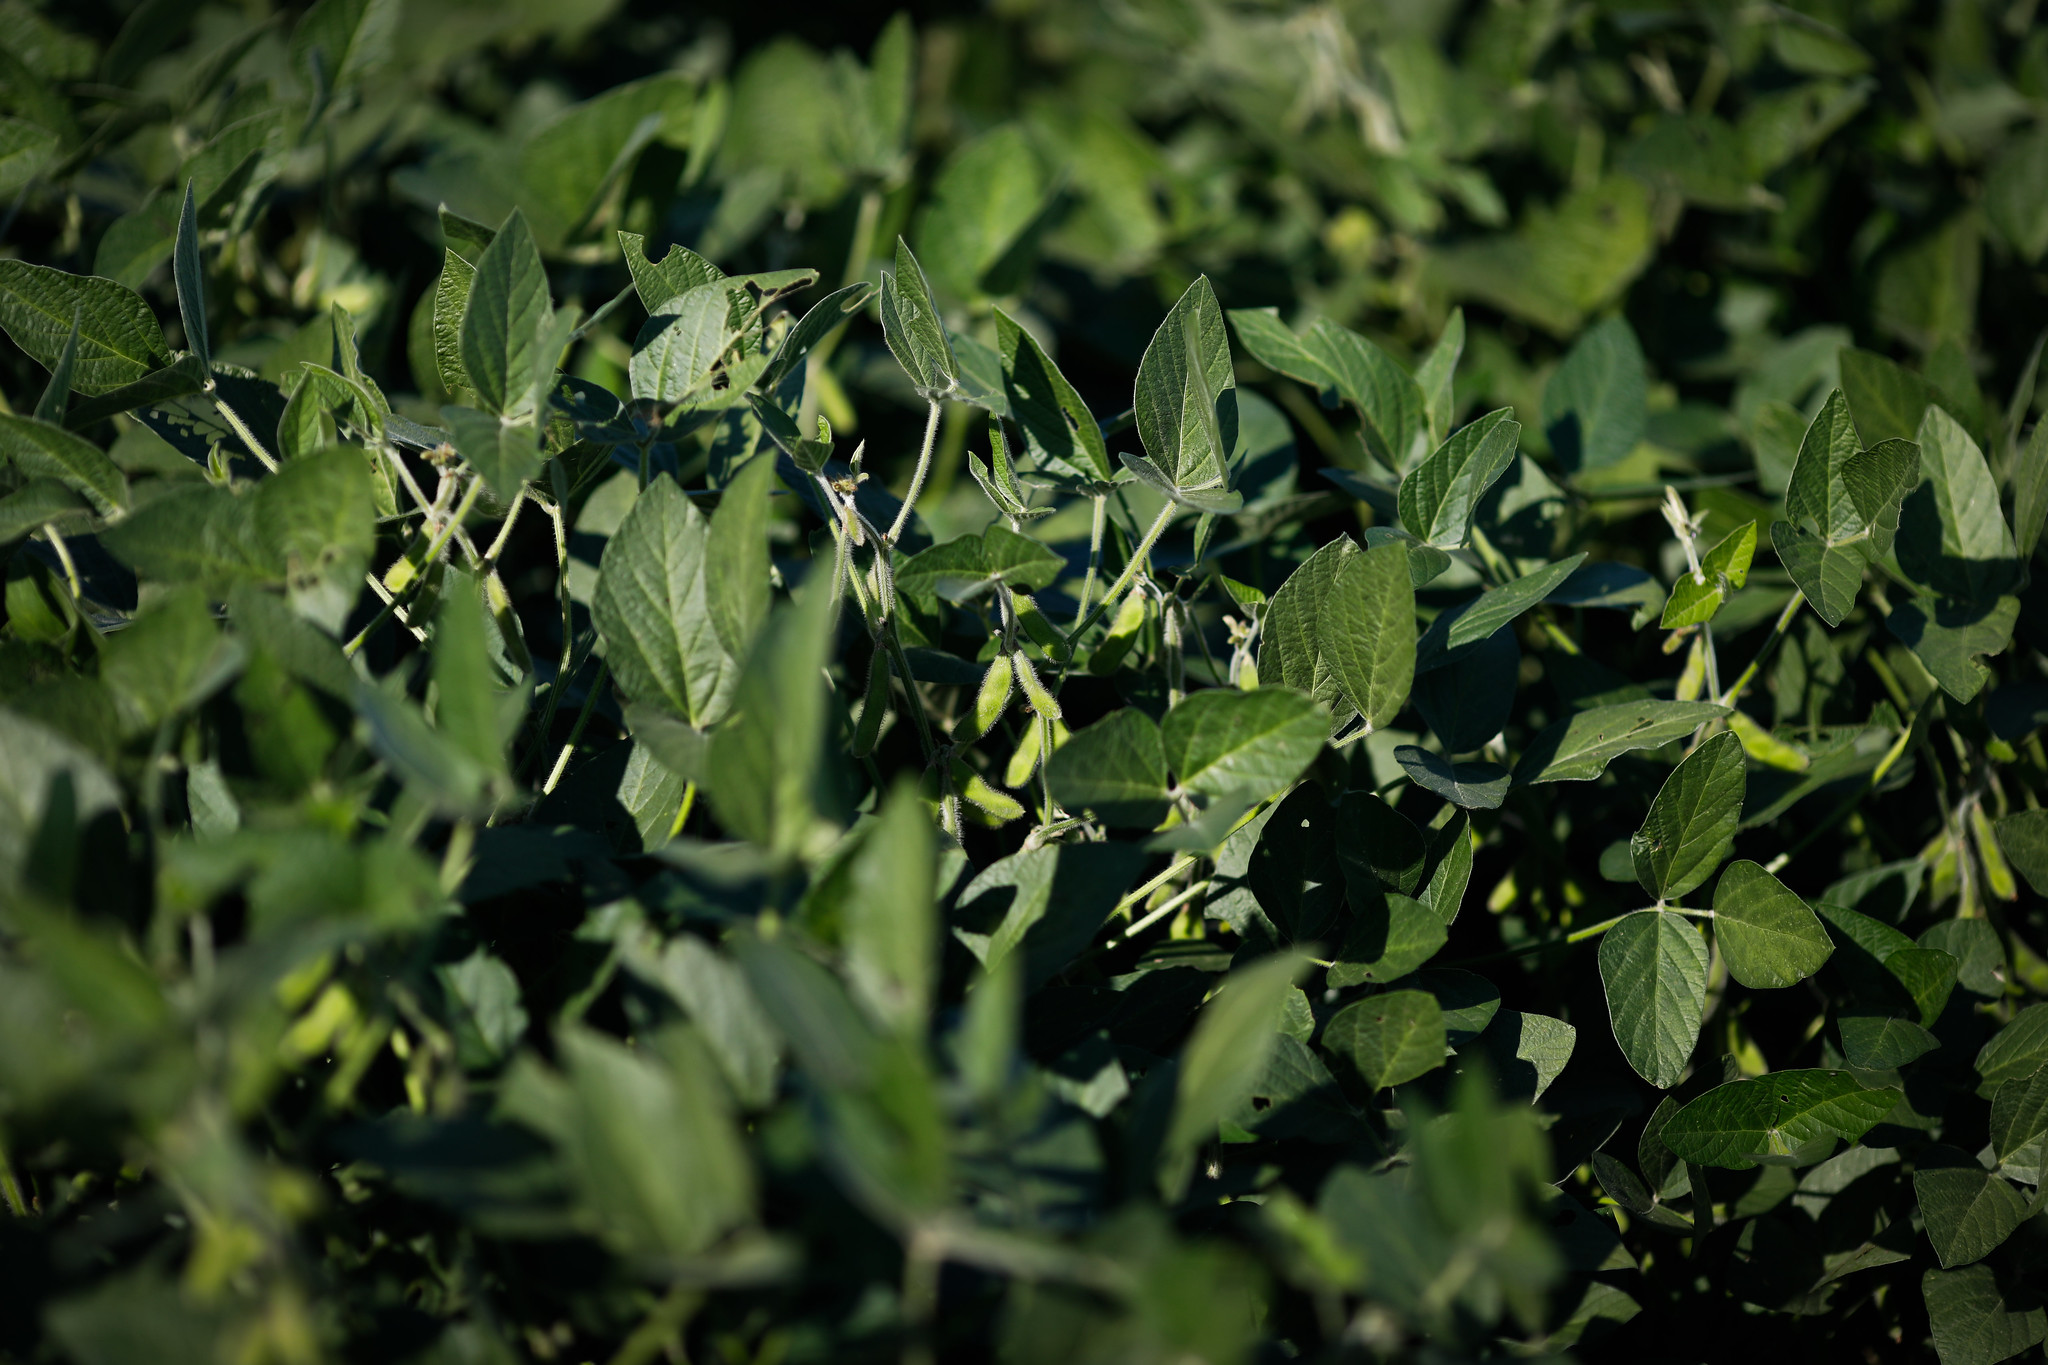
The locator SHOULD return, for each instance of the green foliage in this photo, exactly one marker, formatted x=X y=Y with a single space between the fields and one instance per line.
x=1462 y=779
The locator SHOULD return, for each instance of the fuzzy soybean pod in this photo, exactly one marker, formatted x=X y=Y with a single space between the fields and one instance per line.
x=994 y=696
x=975 y=790
x=1042 y=701
x=1041 y=630
x=869 y=728
x=1123 y=633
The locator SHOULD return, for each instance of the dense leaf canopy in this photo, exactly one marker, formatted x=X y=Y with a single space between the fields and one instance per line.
x=1048 y=681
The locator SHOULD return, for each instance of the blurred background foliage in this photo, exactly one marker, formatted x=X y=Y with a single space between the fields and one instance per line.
x=1753 y=187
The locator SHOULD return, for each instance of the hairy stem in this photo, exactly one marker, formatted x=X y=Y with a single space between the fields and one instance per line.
x=1123 y=581
x=924 y=468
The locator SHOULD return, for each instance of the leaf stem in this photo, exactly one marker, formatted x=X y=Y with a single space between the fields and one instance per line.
x=1095 y=531
x=1855 y=798
x=256 y=447
x=576 y=730
x=56 y=540
x=1123 y=581
x=1778 y=630
x=683 y=811
x=924 y=467
x=1159 y=912
x=1576 y=936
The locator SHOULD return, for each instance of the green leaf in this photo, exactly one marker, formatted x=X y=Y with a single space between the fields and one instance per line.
x=1975 y=1321
x=1528 y=1051
x=976 y=228
x=1438 y=499
x=1691 y=825
x=1394 y=412
x=1768 y=935
x=1451 y=846
x=652 y=611
x=40 y=450
x=2030 y=492
x=119 y=340
x=468 y=703
x=483 y=999
x=505 y=317
x=2019 y=1112
x=1391 y=1038
x=2018 y=1049
x=1057 y=427
x=1222 y=743
x=912 y=327
x=1185 y=405
x=738 y=590
x=506 y=454
x=646 y=1136
x=1466 y=624
x=1365 y=632
x=1224 y=1058
x=1049 y=901
x=2023 y=838
x=1271 y=343
x=1469 y=1002
x=1596 y=404
x=891 y=931
x=681 y=344
x=1654 y=967
x=170 y=660
x=1951 y=638
x=678 y=271
x=1695 y=598
x=1579 y=748
x=201 y=534
x=1390 y=936
x=1290 y=652
x=36 y=502
x=1474 y=786
x=175 y=380
x=713 y=991
x=1468 y=701
x=1877 y=1042
x=1115 y=768
x=769 y=774
x=825 y=317
x=1967 y=1210
x=1773 y=1116
x=317 y=530
x=1435 y=375
x=1842 y=508
x=1887 y=400
x=25 y=149
x=451 y=297
x=965 y=568
x=190 y=277
x=1952 y=537
x=346 y=38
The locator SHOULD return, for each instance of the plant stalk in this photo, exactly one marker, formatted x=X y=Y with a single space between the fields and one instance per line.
x=924 y=468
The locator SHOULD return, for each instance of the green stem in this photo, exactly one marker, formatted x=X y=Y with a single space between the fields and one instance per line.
x=1855 y=798
x=1576 y=936
x=1784 y=622
x=683 y=811
x=256 y=447
x=70 y=569
x=924 y=468
x=576 y=730
x=1123 y=581
x=1095 y=530
x=1158 y=913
